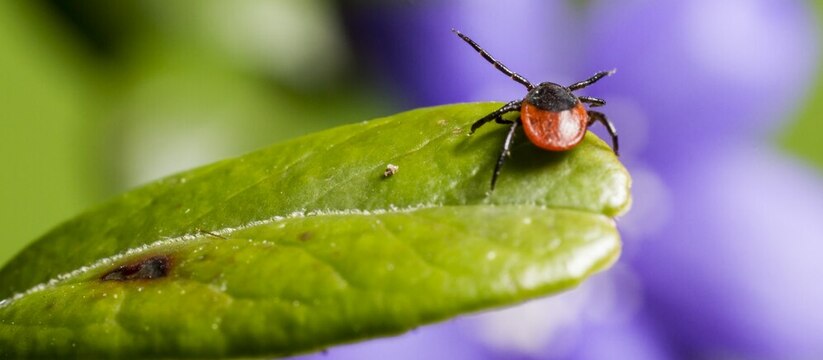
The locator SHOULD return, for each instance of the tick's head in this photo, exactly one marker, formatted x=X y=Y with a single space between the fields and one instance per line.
x=551 y=97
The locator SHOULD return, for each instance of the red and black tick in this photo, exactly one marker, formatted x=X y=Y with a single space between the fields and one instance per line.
x=552 y=117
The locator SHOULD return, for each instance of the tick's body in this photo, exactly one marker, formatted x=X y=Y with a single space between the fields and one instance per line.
x=553 y=118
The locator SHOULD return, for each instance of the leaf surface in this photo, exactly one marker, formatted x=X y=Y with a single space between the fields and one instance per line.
x=308 y=243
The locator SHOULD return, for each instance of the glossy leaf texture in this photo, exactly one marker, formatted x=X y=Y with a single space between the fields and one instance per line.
x=309 y=243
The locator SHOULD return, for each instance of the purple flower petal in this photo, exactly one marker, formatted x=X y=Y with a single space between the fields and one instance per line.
x=704 y=70
x=737 y=271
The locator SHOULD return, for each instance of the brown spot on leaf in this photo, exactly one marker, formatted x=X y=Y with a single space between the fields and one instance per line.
x=305 y=236
x=144 y=269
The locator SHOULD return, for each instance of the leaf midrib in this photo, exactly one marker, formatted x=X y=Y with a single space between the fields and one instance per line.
x=107 y=261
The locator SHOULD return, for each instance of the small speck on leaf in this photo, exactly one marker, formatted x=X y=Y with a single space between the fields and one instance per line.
x=212 y=234
x=391 y=169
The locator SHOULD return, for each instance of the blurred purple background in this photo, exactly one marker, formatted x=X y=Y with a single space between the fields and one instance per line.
x=721 y=247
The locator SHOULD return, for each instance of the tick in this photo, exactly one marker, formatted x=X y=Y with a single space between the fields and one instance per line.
x=553 y=118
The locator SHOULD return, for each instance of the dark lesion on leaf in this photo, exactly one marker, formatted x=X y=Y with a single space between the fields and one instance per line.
x=145 y=269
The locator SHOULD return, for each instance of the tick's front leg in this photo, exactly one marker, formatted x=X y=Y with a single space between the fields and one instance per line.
x=512 y=106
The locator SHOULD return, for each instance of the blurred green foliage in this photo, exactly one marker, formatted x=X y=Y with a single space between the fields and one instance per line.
x=46 y=104
x=98 y=98
x=803 y=136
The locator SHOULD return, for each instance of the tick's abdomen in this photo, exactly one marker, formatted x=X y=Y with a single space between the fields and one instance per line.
x=554 y=130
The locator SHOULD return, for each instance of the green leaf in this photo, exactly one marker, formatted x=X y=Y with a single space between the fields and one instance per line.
x=307 y=244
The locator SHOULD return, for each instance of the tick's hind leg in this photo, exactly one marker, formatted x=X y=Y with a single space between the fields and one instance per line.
x=496 y=115
x=601 y=118
x=504 y=153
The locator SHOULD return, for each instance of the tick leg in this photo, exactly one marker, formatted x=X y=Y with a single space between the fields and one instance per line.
x=601 y=118
x=504 y=153
x=512 y=106
x=592 y=101
x=500 y=120
x=497 y=64
x=591 y=80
